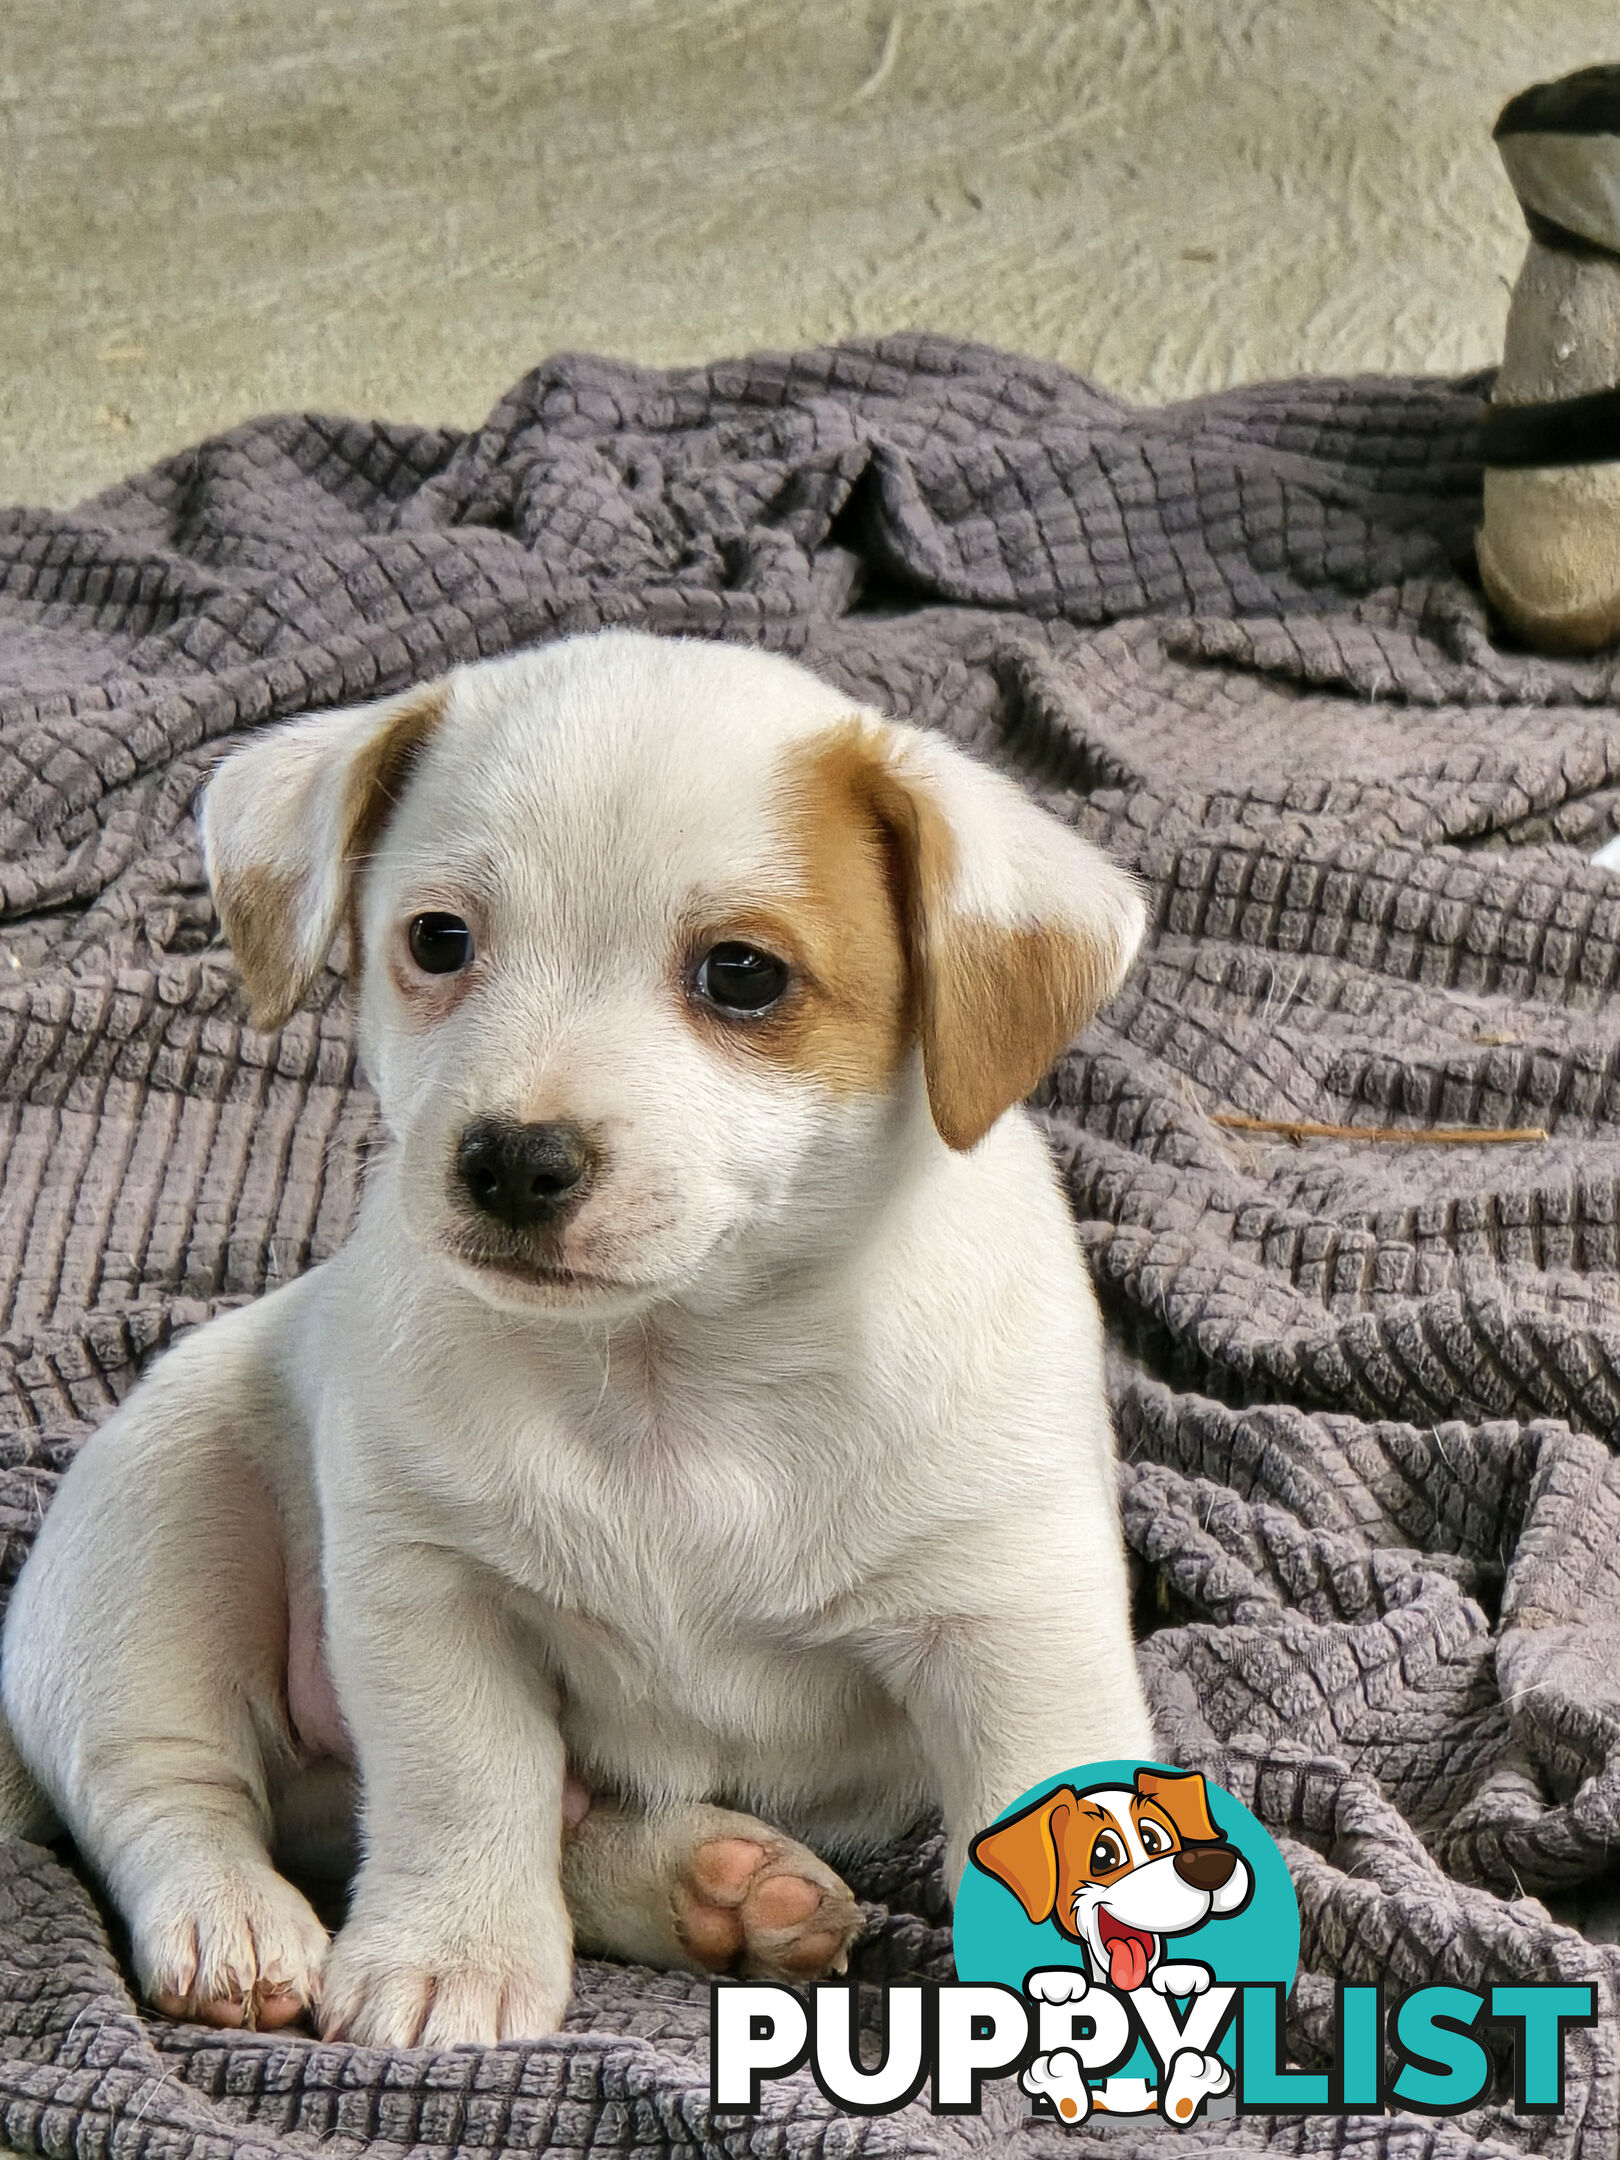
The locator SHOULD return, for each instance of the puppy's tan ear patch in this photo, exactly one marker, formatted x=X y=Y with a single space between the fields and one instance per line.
x=1018 y=930
x=1184 y=1797
x=1001 y=1005
x=1023 y=1852
x=286 y=823
x=258 y=911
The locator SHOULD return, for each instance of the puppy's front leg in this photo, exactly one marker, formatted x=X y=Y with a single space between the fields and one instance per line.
x=1035 y=1676
x=458 y=1930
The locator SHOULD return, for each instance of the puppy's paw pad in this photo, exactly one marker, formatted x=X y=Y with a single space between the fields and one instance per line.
x=764 y=1908
x=237 y=1949
x=782 y=1901
x=722 y=1869
x=712 y=1933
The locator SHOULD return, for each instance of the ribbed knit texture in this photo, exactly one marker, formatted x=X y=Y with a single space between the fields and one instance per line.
x=1366 y=1394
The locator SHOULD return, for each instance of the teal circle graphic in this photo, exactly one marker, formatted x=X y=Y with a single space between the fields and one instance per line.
x=995 y=1940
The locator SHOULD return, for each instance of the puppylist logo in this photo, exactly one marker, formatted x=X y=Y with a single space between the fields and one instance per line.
x=1126 y=1936
x=1134 y=1877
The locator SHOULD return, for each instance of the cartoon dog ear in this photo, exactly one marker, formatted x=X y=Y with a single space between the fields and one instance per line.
x=1016 y=929
x=284 y=823
x=1185 y=1799
x=1022 y=1853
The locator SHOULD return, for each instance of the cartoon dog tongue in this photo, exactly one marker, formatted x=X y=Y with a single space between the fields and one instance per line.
x=1128 y=1952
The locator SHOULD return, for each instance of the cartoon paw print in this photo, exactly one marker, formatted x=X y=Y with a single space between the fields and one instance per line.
x=1193 y=2079
x=1059 y=2078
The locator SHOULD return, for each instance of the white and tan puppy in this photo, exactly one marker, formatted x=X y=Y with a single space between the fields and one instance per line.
x=709 y=1398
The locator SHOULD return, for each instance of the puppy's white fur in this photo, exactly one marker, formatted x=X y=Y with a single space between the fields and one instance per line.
x=749 y=1509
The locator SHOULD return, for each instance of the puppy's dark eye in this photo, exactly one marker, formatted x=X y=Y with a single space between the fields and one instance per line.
x=440 y=944
x=1153 y=1838
x=740 y=978
x=1107 y=1854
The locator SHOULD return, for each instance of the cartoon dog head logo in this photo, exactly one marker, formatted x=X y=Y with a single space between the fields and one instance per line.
x=1120 y=1868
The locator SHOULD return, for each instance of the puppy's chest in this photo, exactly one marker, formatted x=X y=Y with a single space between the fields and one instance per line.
x=663 y=1518
x=694 y=1608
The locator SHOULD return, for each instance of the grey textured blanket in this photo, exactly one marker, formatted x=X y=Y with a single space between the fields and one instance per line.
x=1365 y=1392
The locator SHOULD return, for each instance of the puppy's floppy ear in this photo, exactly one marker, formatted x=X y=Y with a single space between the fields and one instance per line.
x=1023 y=1854
x=1017 y=930
x=284 y=824
x=1185 y=1799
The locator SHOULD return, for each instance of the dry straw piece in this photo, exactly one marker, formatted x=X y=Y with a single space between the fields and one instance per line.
x=1394 y=1135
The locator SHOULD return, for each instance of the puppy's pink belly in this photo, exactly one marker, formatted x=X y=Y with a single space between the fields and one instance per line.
x=312 y=1704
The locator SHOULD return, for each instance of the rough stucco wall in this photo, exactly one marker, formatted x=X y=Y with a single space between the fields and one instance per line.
x=215 y=207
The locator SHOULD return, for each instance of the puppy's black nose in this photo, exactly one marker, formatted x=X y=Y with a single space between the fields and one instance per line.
x=1206 y=1867
x=522 y=1174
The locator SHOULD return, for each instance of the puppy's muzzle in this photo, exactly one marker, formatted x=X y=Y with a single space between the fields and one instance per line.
x=523 y=1175
x=1205 y=1867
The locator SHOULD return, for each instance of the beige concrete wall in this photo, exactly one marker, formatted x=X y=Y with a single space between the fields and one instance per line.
x=213 y=207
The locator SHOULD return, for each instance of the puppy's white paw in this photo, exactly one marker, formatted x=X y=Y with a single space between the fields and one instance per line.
x=1193 y=2078
x=390 y=1986
x=763 y=1907
x=1059 y=2078
x=1180 y=1979
x=233 y=1946
x=1059 y=1984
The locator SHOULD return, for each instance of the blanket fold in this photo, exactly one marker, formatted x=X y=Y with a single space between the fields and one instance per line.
x=1367 y=1394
